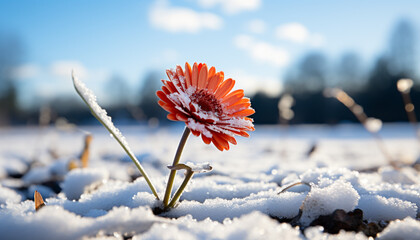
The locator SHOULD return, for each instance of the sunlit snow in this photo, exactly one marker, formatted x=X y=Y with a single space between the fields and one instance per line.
x=239 y=199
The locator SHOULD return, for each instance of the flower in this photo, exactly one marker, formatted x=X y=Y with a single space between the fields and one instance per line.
x=204 y=101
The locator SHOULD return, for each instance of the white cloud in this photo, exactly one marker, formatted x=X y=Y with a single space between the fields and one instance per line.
x=294 y=32
x=298 y=33
x=262 y=51
x=232 y=6
x=63 y=69
x=180 y=19
x=257 y=26
x=252 y=83
x=25 y=71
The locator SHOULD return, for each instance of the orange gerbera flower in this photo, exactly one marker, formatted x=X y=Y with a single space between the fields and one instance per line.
x=204 y=101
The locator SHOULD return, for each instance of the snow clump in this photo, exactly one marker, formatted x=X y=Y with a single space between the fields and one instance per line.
x=407 y=229
x=78 y=180
x=324 y=200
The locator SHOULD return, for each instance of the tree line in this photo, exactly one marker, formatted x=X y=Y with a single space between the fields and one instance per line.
x=373 y=88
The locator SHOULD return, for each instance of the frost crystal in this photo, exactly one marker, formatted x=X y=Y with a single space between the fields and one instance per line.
x=199 y=168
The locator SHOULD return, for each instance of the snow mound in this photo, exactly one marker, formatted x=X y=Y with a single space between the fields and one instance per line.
x=213 y=187
x=380 y=208
x=316 y=233
x=78 y=180
x=324 y=200
x=37 y=175
x=57 y=223
x=284 y=205
x=404 y=175
x=11 y=165
x=56 y=170
x=254 y=225
x=8 y=196
x=407 y=229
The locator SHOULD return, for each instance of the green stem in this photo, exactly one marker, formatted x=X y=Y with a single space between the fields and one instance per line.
x=137 y=163
x=177 y=195
x=129 y=153
x=171 y=179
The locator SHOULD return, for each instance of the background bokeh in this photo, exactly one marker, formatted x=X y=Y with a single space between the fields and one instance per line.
x=122 y=48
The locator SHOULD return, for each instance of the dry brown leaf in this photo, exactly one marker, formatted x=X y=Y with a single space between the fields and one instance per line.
x=39 y=202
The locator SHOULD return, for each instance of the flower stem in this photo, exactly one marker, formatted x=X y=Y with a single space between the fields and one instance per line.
x=177 y=195
x=171 y=179
x=111 y=129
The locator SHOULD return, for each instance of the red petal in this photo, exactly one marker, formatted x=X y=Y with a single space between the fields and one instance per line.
x=233 y=97
x=215 y=81
x=181 y=73
x=194 y=79
x=229 y=139
x=182 y=117
x=165 y=90
x=170 y=74
x=238 y=107
x=202 y=78
x=217 y=144
x=206 y=140
x=188 y=81
x=170 y=86
x=240 y=133
x=167 y=107
x=220 y=140
x=195 y=133
x=172 y=117
x=244 y=113
x=224 y=88
x=163 y=96
x=212 y=71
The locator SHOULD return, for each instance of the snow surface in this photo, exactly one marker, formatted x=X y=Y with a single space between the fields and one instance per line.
x=239 y=199
x=407 y=229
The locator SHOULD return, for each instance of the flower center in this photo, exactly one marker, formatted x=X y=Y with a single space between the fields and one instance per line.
x=208 y=102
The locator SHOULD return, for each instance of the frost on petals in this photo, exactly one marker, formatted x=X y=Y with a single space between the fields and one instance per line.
x=204 y=100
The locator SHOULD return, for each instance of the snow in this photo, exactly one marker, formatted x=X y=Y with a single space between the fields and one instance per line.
x=54 y=222
x=269 y=202
x=324 y=200
x=78 y=180
x=316 y=233
x=407 y=229
x=8 y=196
x=239 y=199
x=254 y=225
x=378 y=208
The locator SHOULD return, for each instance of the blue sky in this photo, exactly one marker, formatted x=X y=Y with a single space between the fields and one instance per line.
x=252 y=41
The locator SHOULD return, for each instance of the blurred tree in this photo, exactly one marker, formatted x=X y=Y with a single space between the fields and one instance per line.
x=380 y=77
x=381 y=98
x=10 y=56
x=309 y=76
x=348 y=74
x=402 y=49
x=118 y=91
x=148 y=99
x=306 y=82
x=266 y=110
